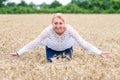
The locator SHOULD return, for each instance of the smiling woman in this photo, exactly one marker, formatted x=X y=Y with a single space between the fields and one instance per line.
x=59 y=39
x=58 y=22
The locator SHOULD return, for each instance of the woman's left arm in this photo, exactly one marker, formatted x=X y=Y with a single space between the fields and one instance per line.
x=86 y=45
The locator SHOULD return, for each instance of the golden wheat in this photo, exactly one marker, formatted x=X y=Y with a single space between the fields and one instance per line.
x=103 y=31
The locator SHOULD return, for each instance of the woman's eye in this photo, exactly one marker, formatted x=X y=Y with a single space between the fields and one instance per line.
x=55 y=23
x=60 y=23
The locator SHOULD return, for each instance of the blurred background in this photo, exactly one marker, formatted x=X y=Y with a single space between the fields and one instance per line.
x=62 y=6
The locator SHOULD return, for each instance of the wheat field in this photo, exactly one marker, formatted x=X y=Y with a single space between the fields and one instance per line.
x=101 y=30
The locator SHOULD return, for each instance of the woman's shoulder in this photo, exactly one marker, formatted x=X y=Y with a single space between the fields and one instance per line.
x=48 y=28
x=69 y=27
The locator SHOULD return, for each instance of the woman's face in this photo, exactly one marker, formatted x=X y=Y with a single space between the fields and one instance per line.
x=58 y=26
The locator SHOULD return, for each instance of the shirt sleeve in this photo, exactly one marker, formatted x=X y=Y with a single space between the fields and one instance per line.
x=36 y=42
x=81 y=42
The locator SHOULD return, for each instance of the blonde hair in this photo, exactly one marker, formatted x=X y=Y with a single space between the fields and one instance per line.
x=58 y=15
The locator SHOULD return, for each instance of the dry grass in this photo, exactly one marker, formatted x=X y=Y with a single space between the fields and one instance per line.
x=103 y=31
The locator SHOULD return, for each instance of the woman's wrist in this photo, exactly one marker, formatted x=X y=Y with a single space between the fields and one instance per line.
x=17 y=54
x=101 y=53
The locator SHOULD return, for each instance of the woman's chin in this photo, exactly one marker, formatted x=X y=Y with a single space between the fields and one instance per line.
x=59 y=33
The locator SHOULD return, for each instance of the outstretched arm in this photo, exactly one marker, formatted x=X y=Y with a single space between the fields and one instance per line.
x=86 y=45
x=30 y=46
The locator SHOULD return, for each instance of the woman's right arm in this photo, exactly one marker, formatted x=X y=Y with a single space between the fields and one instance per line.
x=30 y=46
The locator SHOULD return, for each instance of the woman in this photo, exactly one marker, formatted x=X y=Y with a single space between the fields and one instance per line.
x=59 y=39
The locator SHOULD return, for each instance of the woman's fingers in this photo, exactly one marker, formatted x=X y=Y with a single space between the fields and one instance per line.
x=14 y=55
x=105 y=54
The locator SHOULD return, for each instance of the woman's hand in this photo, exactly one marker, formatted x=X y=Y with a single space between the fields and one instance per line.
x=105 y=54
x=14 y=55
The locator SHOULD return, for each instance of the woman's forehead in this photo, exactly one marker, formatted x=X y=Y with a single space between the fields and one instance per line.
x=58 y=19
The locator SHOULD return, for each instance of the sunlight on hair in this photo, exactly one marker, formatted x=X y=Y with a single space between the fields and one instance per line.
x=58 y=15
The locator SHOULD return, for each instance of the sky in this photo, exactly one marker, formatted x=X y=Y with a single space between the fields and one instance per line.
x=63 y=2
